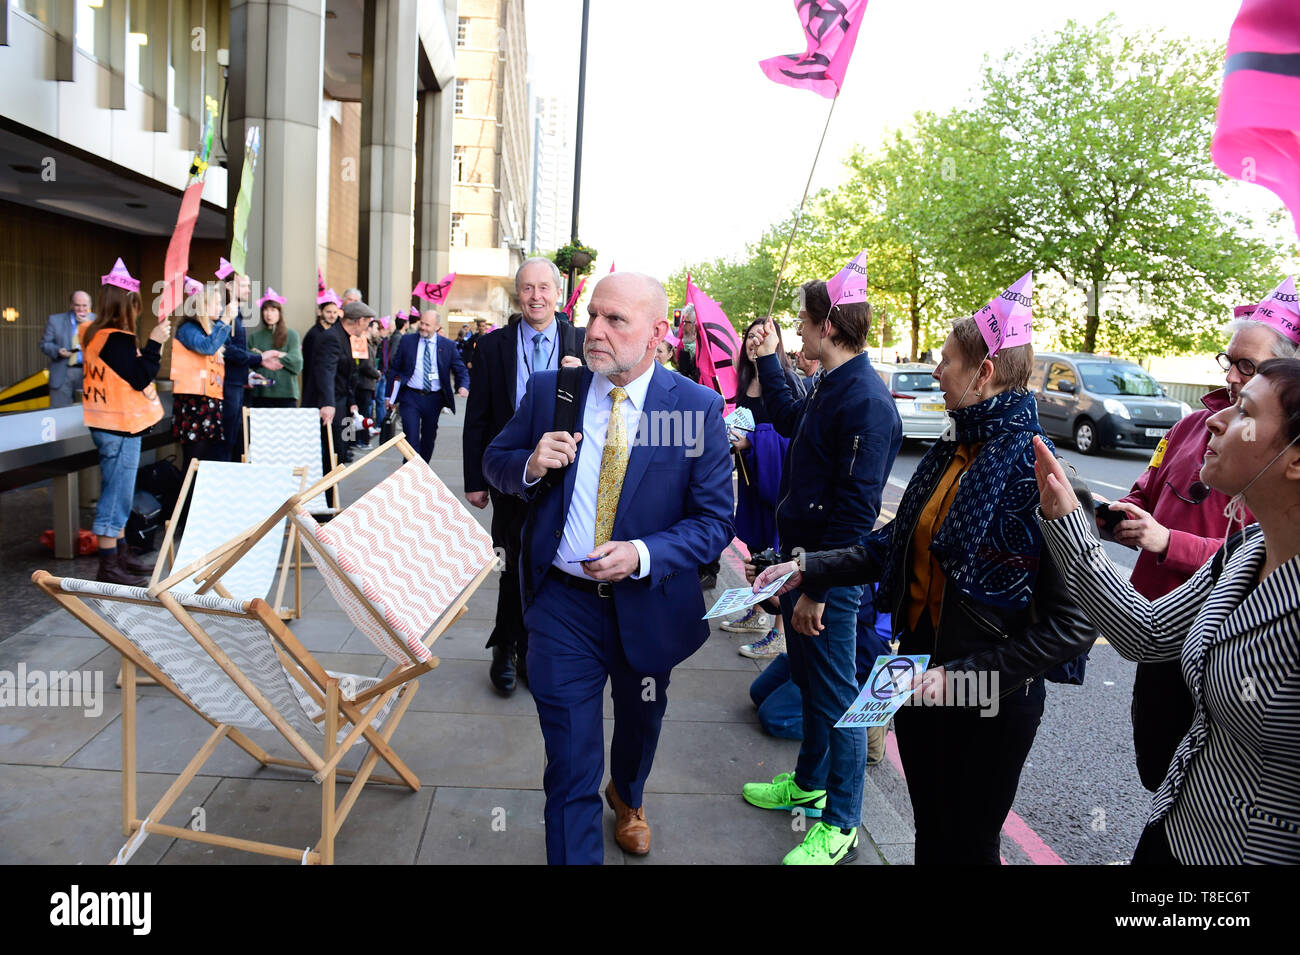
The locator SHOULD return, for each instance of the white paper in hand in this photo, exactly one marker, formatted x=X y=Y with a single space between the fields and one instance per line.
x=738 y=598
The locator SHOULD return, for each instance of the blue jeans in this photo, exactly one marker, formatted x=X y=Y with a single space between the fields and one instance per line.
x=119 y=459
x=824 y=669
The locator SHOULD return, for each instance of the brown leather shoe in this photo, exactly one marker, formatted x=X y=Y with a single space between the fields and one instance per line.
x=631 y=831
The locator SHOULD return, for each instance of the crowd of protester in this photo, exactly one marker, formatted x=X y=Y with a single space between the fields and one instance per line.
x=991 y=565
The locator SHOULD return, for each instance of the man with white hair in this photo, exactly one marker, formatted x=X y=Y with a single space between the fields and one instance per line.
x=352 y=295
x=616 y=528
x=536 y=339
x=1177 y=522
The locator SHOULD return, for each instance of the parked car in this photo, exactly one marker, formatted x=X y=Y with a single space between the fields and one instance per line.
x=1101 y=402
x=917 y=397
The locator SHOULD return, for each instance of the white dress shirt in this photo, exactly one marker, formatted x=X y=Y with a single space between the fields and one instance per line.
x=416 y=380
x=580 y=523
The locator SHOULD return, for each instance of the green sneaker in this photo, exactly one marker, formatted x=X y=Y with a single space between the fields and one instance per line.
x=824 y=845
x=782 y=793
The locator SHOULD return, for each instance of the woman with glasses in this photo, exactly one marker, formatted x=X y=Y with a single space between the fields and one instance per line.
x=1177 y=523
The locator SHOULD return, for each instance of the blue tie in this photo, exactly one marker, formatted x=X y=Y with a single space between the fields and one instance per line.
x=428 y=365
x=539 y=360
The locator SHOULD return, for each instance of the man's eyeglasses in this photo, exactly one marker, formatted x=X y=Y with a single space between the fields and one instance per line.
x=1244 y=365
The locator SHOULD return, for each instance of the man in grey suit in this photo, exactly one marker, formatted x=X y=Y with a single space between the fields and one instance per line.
x=60 y=345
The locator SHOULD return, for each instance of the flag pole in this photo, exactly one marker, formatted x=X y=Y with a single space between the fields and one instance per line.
x=780 y=273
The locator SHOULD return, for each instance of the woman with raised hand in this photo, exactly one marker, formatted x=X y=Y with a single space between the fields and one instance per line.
x=1232 y=792
x=198 y=374
x=964 y=573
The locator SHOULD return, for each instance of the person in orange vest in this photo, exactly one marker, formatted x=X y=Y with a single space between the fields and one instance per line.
x=120 y=405
x=198 y=373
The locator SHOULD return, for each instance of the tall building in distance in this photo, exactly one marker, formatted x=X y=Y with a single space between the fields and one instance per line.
x=491 y=160
x=553 y=132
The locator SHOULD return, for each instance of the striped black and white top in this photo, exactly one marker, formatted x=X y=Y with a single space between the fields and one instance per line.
x=1232 y=793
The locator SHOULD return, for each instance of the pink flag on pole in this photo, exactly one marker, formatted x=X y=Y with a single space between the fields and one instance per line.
x=437 y=294
x=831 y=29
x=717 y=346
x=611 y=266
x=1281 y=310
x=850 y=284
x=178 y=249
x=1008 y=320
x=573 y=299
x=1257 y=138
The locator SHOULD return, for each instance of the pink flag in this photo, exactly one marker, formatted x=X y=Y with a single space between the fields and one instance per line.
x=850 y=284
x=437 y=294
x=320 y=281
x=611 y=266
x=1008 y=320
x=178 y=249
x=831 y=28
x=1280 y=310
x=573 y=299
x=1258 y=133
x=717 y=346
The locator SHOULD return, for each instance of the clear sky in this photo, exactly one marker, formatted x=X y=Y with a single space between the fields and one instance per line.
x=690 y=152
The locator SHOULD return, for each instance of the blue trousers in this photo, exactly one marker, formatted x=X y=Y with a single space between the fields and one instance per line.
x=573 y=647
x=824 y=668
x=420 y=410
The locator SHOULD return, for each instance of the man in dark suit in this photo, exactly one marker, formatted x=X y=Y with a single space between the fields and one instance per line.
x=621 y=514
x=329 y=375
x=535 y=340
x=422 y=369
x=61 y=347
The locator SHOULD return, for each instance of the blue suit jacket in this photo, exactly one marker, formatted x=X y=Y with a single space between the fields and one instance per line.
x=402 y=366
x=678 y=504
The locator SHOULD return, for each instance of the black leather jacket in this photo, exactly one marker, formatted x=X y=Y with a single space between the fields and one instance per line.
x=1020 y=644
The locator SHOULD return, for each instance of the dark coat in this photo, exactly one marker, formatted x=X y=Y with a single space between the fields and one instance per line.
x=492 y=400
x=329 y=375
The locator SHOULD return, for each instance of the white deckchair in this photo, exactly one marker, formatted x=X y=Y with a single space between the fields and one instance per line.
x=291 y=436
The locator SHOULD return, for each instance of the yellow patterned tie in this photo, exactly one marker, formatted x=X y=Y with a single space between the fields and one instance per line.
x=613 y=465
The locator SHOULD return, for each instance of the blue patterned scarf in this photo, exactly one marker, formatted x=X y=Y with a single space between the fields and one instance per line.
x=988 y=544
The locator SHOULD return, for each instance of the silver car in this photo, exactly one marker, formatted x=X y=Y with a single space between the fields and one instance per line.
x=917 y=397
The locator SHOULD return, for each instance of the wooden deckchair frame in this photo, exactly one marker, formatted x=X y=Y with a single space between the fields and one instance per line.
x=401 y=673
x=291 y=552
x=301 y=666
x=329 y=446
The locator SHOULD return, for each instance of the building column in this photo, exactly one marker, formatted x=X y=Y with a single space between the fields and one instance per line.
x=433 y=184
x=389 y=69
x=275 y=83
x=65 y=39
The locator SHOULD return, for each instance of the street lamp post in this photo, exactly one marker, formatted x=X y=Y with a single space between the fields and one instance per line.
x=577 y=147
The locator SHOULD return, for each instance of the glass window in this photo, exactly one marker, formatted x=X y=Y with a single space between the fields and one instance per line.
x=457 y=229
x=1058 y=373
x=42 y=10
x=458 y=163
x=1113 y=378
x=915 y=381
x=1036 y=376
x=462 y=31
x=460 y=97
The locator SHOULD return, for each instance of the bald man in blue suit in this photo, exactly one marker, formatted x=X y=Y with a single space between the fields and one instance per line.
x=620 y=518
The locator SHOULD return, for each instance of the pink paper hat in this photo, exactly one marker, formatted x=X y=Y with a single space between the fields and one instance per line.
x=192 y=286
x=1281 y=311
x=385 y=321
x=226 y=270
x=401 y=313
x=1243 y=311
x=328 y=296
x=120 y=277
x=270 y=296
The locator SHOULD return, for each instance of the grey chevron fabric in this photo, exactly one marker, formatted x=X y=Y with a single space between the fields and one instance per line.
x=228 y=498
x=160 y=637
x=288 y=436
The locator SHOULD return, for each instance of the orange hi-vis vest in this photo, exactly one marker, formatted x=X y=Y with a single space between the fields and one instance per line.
x=195 y=374
x=111 y=404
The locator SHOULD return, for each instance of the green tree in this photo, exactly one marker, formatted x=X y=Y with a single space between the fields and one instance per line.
x=1089 y=155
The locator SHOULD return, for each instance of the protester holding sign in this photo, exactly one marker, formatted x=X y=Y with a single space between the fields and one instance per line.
x=120 y=405
x=967 y=580
x=844 y=438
